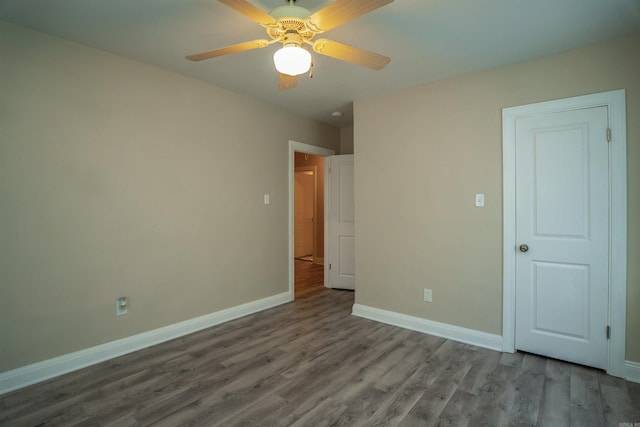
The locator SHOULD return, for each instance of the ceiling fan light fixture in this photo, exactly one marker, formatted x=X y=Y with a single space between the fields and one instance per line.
x=292 y=60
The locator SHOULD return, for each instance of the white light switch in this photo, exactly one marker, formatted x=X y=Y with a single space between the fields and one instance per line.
x=266 y=199
x=479 y=200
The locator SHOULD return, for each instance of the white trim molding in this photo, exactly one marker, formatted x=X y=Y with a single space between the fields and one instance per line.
x=444 y=330
x=41 y=371
x=615 y=103
x=632 y=371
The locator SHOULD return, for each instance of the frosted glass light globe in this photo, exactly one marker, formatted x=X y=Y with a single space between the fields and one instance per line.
x=292 y=60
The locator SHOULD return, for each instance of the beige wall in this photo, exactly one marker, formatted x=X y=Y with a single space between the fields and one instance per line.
x=318 y=161
x=417 y=170
x=346 y=140
x=120 y=179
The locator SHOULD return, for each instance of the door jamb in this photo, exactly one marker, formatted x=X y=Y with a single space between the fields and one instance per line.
x=318 y=151
x=615 y=101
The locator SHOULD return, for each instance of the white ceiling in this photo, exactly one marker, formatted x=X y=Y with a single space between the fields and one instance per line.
x=427 y=40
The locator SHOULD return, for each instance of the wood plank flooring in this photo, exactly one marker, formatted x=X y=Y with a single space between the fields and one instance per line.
x=310 y=363
x=309 y=277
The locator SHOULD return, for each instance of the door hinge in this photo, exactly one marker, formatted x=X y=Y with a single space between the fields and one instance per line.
x=608 y=332
x=329 y=266
x=608 y=134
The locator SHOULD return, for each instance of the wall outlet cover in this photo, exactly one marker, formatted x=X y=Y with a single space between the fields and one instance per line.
x=121 y=306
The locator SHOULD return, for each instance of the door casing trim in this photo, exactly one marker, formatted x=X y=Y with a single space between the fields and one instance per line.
x=615 y=101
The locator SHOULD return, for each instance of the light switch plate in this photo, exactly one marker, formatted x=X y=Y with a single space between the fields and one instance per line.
x=121 y=306
x=428 y=295
x=266 y=199
x=479 y=200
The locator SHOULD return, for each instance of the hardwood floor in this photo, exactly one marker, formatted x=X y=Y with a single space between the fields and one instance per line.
x=309 y=277
x=310 y=363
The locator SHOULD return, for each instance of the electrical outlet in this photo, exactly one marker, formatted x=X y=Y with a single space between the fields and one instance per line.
x=121 y=306
x=428 y=295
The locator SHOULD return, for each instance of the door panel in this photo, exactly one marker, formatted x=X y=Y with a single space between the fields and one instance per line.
x=341 y=222
x=561 y=180
x=562 y=208
x=347 y=252
x=560 y=296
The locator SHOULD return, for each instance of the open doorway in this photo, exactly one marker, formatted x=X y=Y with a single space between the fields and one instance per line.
x=307 y=220
x=308 y=229
x=307 y=225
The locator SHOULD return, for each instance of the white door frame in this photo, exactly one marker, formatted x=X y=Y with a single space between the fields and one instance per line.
x=615 y=101
x=318 y=151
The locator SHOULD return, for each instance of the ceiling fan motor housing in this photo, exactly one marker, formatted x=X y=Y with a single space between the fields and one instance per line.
x=290 y=11
x=290 y=26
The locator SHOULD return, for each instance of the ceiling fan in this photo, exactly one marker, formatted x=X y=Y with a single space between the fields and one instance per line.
x=295 y=27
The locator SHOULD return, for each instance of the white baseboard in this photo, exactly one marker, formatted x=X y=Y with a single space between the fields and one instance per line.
x=40 y=371
x=632 y=371
x=444 y=330
x=456 y=333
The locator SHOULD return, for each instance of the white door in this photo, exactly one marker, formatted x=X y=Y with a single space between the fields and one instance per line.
x=304 y=212
x=341 y=222
x=562 y=231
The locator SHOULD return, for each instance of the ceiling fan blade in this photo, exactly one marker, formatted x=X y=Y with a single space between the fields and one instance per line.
x=340 y=12
x=350 y=54
x=250 y=11
x=255 y=44
x=287 y=82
